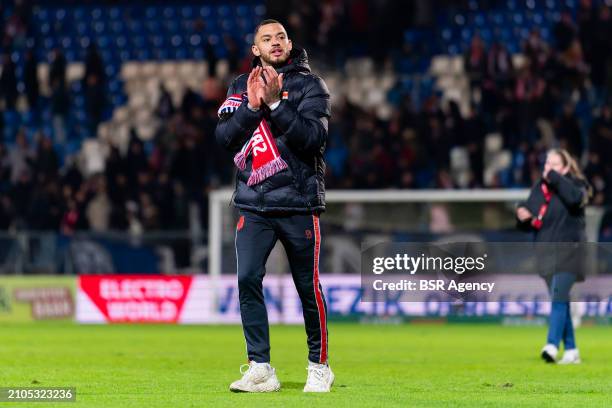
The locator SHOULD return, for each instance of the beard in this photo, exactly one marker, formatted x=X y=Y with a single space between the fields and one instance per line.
x=276 y=63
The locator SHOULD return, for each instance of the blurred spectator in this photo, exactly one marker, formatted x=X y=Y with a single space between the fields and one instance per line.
x=565 y=31
x=8 y=83
x=99 y=208
x=47 y=161
x=16 y=27
x=21 y=196
x=5 y=168
x=95 y=97
x=30 y=79
x=499 y=65
x=601 y=50
x=568 y=131
x=57 y=71
x=601 y=133
x=165 y=106
x=45 y=209
x=94 y=66
x=136 y=160
x=233 y=54
x=60 y=106
x=536 y=50
x=210 y=53
x=475 y=62
x=21 y=157
x=71 y=218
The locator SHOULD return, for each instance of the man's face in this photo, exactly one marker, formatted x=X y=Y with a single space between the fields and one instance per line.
x=272 y=45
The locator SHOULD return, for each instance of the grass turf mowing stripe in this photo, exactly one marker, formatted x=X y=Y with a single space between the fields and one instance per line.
x=405 y=365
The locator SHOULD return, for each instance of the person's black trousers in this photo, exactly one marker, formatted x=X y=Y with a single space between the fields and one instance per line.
x=256 y=235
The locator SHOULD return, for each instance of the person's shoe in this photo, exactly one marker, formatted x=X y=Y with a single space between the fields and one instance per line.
x=549 y=353
x=570 y=356
x=320 y=378
x=256 y=377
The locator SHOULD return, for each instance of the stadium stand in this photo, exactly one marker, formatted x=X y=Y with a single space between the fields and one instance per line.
x=129 y=92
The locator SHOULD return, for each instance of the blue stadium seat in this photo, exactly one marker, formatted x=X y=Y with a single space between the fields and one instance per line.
x=117 y=27
x=60 y=14
x=171 y=26
x=459 y=20
x=78 y=101
x=168 y=13
x=138 y=41
x=71 y=56
x=111 y=70
x=136 y=27
x=78 y=14
x=151 y=13
x=195 y=40
x=121 y=42
x=205 y=11
x=244 y=11
x=125 y=55
x=96 y=14
x=176 y=41
x=153 y=26
x=99 y=27
x=42 y=15
x=113 y=13
x=224 y=11
x=197 y=53
x=45 y=29
x=518 y=19
x=480 y=19
x=259 y=11
x=76 y=87
x=180 y=54
x=142 y=54
x=115 y=86
x=186 y=12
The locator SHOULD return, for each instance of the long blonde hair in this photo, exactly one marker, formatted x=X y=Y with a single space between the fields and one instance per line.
x=574 y=168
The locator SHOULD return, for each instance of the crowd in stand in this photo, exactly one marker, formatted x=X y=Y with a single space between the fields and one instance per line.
x=151 y=187
x=561 y=96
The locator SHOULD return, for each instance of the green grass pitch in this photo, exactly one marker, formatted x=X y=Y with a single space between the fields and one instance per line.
x=455 y=365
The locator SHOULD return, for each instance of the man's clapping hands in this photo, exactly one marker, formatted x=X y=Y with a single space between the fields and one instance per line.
x=263 y=87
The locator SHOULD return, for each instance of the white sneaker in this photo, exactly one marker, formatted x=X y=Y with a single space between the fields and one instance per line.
x=320 y=378
x=549 y=353
x=258 y=377
x=570 y=356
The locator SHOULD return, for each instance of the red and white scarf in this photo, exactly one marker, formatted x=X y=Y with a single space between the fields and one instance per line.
x=537 y=222
x=267 y=161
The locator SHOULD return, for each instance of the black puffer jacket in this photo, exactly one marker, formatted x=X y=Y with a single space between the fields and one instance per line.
x=563 y=223
x=299 y=125
x=564 y=218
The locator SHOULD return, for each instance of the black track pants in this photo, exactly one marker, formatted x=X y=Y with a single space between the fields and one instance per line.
x=256 y=235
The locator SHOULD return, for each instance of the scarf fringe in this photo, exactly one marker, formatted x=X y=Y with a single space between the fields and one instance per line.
x=240 y=160
x=265 y=171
